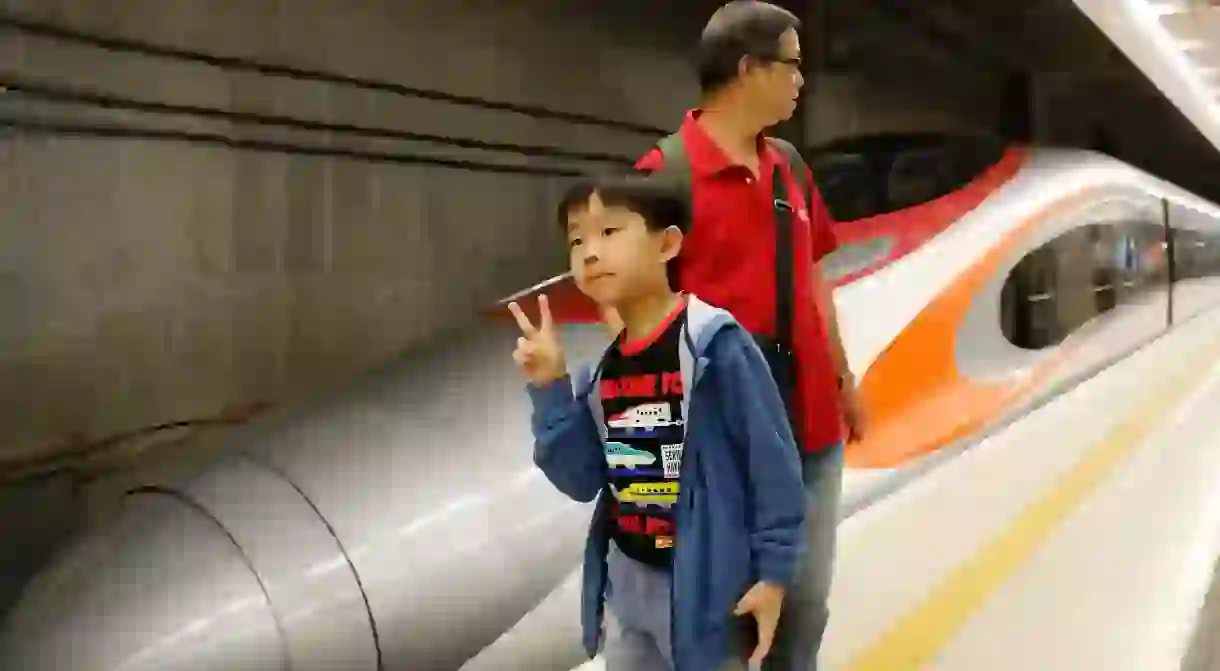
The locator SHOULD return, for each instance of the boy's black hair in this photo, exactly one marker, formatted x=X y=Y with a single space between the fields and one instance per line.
x=660 y=201
x=738 y=29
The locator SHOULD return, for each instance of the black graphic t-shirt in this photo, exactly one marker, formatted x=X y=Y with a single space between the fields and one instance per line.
x=641 y=395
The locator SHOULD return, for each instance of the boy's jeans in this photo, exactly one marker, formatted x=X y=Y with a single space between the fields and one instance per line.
x=805 y=613
x=637 y=635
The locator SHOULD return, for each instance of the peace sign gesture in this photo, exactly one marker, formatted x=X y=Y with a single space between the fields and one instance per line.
x=538 y=352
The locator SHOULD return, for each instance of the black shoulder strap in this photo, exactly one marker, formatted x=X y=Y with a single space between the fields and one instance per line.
x=784 y=284
x=800 y=170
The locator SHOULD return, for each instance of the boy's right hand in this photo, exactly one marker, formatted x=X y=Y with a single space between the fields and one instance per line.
x=538 y=353
x=765 y=602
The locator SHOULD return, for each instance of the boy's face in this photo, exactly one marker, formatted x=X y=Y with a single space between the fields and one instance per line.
x=613 y=255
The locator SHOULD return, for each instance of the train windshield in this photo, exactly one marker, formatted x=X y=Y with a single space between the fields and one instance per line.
x=869 y=176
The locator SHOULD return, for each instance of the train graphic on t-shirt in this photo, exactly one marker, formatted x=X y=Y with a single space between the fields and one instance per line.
x=660 y=494
x=619 y=455
x=643 y=418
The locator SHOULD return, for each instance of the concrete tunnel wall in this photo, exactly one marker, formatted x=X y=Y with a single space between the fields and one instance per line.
x=146 y=281
x=879 y=101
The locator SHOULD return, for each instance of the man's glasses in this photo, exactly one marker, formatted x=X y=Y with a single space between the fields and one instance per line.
x=794 y=63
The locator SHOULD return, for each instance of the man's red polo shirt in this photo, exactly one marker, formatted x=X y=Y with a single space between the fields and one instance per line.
x=728 y=260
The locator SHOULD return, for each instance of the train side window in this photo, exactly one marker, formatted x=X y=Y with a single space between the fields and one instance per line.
x=1083 y=273
x=1143 y=263
x=1196 y=254
x=1028 y=308
x=1196 y=261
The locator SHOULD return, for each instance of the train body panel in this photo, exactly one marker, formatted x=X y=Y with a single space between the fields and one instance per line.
x=459 y=550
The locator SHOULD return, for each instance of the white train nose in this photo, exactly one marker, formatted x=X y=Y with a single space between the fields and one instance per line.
x=397 y=525
x=168 y=590
x=188 y=567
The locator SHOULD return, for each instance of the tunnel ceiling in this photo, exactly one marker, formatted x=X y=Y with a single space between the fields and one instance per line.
x=1037 y=36
x=1054 y=42
x=1041 y=36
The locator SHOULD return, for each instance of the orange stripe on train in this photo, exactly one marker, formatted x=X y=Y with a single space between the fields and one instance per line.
x=918 y=400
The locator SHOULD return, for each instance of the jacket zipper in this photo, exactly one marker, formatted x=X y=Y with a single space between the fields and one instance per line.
x=682 y=492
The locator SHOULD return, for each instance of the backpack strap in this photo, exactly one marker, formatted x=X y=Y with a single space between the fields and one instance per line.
x=675 y=163
x=796 y=163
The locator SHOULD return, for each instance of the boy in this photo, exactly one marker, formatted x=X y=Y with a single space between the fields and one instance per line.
x=681 y=430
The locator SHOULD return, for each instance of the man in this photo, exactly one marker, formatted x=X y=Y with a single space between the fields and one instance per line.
x=749 y=72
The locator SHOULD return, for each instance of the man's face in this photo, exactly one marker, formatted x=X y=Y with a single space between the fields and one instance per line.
x=775 y=85
x=613 y=255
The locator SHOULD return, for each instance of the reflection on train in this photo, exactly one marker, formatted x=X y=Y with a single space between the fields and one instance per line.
x=1092 y=270
x=1083 y=273
x=1196 y=255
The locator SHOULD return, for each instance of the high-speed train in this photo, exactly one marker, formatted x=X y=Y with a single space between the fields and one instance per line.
x=400 y=524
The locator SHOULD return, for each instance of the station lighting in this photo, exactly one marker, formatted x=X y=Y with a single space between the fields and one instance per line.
x=1201 y=20
x=1156 y=14
x=1176 y=43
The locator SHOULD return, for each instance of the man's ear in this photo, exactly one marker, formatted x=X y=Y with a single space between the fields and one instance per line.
x=744 y=64
x=671 y=243
x=748 y=64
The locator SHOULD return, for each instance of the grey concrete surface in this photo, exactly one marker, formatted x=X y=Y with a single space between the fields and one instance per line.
x=881 y=74
x=910 y=100
x=146 y=281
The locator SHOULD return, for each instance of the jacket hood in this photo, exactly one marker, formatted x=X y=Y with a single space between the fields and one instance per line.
x=704 y=321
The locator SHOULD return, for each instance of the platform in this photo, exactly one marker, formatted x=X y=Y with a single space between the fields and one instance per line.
x=1081 y=537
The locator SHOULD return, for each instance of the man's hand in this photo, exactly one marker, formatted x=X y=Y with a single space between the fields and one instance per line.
x=538 y=353
x=854 y=415
x=764 y=601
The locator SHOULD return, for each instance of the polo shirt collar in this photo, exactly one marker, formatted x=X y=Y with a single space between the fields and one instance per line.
x=706 y=157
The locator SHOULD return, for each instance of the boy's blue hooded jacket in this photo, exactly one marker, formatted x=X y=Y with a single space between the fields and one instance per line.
x=740 y=512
